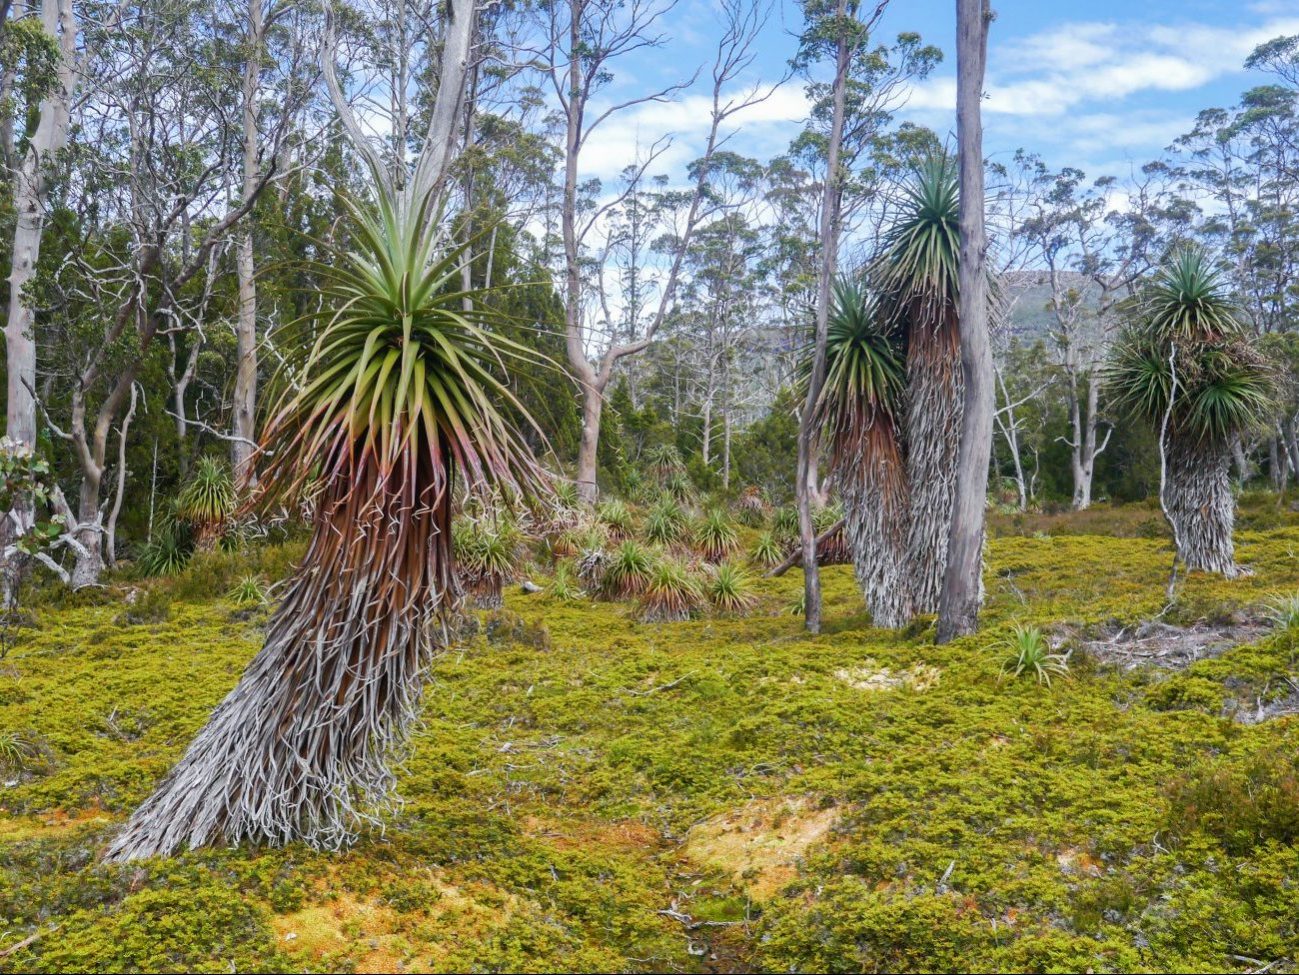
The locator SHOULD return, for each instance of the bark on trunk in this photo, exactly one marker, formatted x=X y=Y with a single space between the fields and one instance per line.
x=299 y=749
x=244 y=420
x=873 y=488
x=1201 y=507
x=244 y=426
x=935 y=389
x=588 y=447
x=89 y=563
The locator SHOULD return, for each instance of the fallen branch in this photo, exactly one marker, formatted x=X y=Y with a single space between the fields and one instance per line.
x=19 y=946
x=797 y=557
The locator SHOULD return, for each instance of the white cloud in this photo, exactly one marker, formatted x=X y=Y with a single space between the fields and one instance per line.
x=1054 y=71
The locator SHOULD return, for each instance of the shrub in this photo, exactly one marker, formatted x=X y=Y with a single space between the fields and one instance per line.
x=1030 y=653
x=1242 y=803
x=672 y=594
x=752 y=507
x=731 y=590
x=151 y=605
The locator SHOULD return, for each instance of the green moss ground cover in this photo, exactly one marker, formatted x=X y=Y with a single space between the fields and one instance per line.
x=588 y=792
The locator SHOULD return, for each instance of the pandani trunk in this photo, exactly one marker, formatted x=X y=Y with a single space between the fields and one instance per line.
x=300 y=749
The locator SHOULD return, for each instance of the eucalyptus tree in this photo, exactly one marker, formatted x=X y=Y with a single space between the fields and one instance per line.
x=154 y=138
x=1186 y=366
x=583 y=42
x=962 y=593
x=393 y=395
x=40 y=77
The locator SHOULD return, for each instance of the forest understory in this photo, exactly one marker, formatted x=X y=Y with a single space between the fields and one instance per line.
x=588 y=792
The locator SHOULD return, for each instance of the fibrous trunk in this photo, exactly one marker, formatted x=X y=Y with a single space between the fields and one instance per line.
x=299 y=749
x=1200 y=505
x=873 y=486
x=933 y=429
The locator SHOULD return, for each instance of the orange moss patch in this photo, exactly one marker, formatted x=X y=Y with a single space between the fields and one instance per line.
x=626 y=834
x=361 y=929
x=761 y=843
x=54 y=820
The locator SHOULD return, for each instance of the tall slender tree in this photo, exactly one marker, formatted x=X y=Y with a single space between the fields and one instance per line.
x=958 y=609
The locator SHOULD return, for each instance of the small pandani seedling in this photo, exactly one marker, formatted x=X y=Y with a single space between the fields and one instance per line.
x=563 y=586
x=616 y=518
x=566 y=495
x=16 y=750
x=167 y=554
x=1283 y=613
x=672 y=594
x=249 y=591
x=766 y=550
x=628 y=570
x=715 y=536
x=1030 y=653
x=488 y=557
x=678 y=486
x=798 y=605
x=731 y=590
x=664 y=462
x=784 y=524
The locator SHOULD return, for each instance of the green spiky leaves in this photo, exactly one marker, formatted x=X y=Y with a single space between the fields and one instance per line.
x=1187 y=358
x=865 y=368
x=921 y=252
x=396 y=376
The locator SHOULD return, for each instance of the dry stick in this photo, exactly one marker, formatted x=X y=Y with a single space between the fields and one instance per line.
x=797 y=557
x=19 y=946
x=1171 y=592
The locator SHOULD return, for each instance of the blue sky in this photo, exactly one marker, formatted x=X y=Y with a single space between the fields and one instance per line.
x=1104 y=85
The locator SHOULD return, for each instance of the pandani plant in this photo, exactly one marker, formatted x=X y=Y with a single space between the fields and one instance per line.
x=857 y=419
x=672 y=594
x=1186 y=366
x=397 y=392
x=915 y=278
x=715 y=535
x=207 y=502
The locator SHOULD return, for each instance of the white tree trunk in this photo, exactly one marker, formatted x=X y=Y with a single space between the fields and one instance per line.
x=962 y=590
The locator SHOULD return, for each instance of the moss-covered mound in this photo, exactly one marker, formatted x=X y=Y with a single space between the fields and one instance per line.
x=593 y=793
